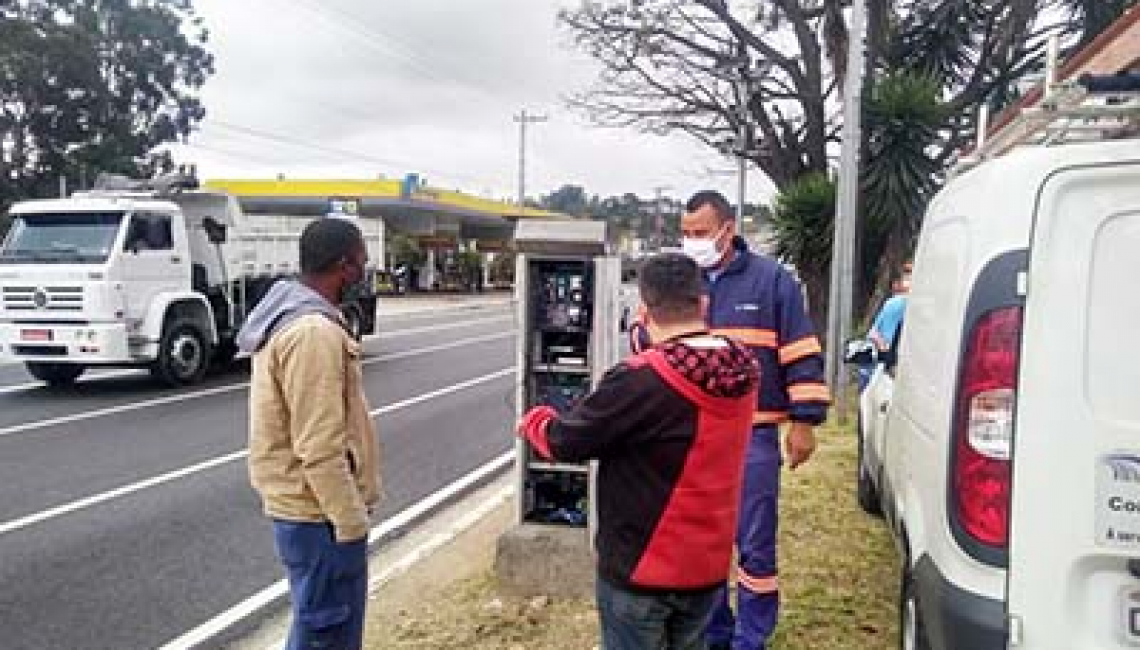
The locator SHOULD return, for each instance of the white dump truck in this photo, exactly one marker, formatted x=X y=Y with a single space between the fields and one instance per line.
x=147 y=275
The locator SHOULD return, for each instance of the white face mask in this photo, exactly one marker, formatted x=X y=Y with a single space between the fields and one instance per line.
x=703 y=251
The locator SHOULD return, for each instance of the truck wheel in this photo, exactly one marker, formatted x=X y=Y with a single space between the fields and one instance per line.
x=224 y=354
x=866 y=493
x=184 y=354
x=55 y=374
x=354 y=323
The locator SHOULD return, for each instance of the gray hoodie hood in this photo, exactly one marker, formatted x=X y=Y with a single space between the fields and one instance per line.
x=286 y=302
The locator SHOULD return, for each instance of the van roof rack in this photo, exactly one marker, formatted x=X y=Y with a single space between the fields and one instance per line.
x=1094 y=96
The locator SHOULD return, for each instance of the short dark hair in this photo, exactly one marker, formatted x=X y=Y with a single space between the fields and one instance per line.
x=711 y=197
x=326 y=242
x=671 y=288
x=898 y=274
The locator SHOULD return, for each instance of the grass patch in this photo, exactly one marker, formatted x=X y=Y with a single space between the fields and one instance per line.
x=838 y=566
x=838 y=575
x=472 y=616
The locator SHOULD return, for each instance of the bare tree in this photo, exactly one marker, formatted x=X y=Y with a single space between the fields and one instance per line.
x=775 y=68
x=679 y=65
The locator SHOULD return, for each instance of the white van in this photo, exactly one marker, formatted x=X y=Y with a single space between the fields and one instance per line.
x=1007 y=456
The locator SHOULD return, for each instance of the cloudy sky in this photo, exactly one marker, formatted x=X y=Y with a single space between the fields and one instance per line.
x=360 y=88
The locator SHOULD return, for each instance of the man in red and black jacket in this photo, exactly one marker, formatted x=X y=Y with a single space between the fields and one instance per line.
x=670 y=427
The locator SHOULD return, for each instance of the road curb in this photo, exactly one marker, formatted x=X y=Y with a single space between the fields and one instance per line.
x=244 y=619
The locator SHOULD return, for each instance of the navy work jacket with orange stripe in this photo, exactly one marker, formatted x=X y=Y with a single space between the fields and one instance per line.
x=757 y=302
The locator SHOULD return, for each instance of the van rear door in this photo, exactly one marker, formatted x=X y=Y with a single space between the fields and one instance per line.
x=1075 y=509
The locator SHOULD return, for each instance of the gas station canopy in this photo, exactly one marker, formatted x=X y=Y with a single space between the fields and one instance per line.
x=407 y=205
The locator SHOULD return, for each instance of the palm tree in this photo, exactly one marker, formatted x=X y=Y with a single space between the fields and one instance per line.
x=903 y=113
x=801 y=222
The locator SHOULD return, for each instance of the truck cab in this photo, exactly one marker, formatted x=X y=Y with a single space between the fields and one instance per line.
x=149 y=274
x=108 y=280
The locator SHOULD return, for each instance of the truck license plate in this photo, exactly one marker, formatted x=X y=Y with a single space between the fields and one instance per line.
x=1130 y=615
x=35 y=335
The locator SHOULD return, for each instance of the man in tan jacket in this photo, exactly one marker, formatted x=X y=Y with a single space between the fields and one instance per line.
x=313 y=450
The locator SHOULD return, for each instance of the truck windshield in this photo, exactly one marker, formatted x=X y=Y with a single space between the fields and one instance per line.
x=61 y=238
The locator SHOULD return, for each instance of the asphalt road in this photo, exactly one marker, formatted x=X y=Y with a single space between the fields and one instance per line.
x=125 y=515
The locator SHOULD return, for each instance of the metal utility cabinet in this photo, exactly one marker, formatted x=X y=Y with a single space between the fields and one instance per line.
x=566 y=290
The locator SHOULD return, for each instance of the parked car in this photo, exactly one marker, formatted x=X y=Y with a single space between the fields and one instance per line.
x=874 y=402
x=1003 y=448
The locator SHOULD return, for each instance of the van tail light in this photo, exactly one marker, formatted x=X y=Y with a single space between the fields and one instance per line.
x=983 y=427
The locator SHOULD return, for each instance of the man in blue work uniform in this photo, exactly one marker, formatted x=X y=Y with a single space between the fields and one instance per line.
x=758 y=302
x=890 y=315
x=888 y=322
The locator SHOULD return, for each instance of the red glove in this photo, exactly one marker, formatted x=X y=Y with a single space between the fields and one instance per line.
x=533 y=426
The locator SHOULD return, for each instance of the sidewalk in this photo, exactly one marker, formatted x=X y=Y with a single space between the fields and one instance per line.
x=436 y=588
x=431 y=590
x=839 y=579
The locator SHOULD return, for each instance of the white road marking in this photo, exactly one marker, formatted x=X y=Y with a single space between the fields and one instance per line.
x=420 y=311
x=441 y=538
x=32 y=385
x=228 y=388
x=280 y=589
x=131 y=372
x=437 y=328
x=52 y=513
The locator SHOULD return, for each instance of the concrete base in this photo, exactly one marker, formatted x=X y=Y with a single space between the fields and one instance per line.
x=539 y=560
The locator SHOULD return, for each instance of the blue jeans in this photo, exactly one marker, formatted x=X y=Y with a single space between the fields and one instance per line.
x=666 y=620
x=328 y=585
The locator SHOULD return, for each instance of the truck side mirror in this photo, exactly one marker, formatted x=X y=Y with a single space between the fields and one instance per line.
x=215 y=231
x=135 y=238
x=889 y=358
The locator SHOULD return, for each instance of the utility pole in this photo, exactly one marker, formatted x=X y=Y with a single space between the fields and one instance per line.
x=659 y=192
x=523 y=120
x=742 y=175
x=846 y=218
x=743 y=77
x=743 y=87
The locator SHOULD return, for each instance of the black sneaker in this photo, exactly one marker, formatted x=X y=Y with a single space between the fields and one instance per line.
x=723 y=645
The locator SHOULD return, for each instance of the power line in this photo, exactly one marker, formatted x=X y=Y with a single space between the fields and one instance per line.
x=230 y=153
x=336 y=151
x=389 y=44
x=374 y=41
x=284 y=139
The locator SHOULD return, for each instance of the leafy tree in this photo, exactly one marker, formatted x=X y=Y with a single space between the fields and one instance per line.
x=568 y=199
x=404 y=249
x=503 y=267
x=90 y=86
